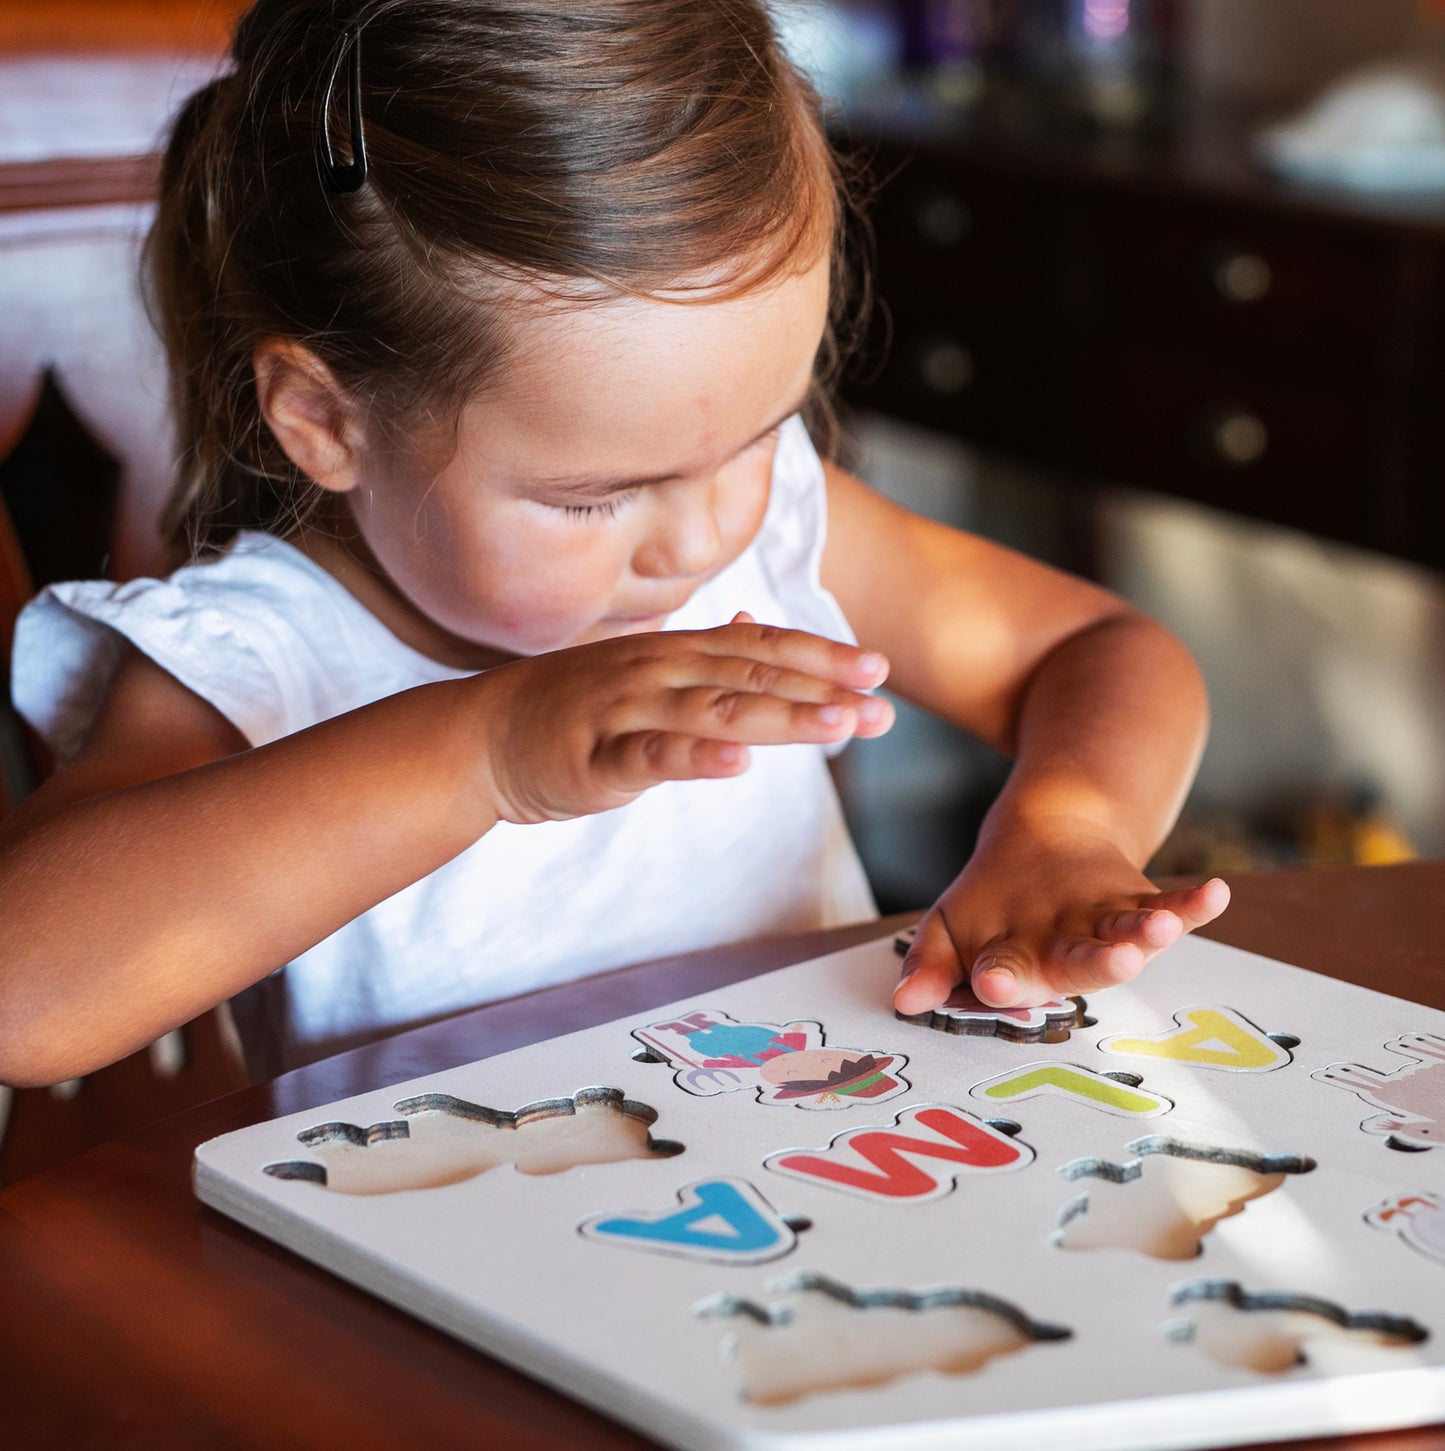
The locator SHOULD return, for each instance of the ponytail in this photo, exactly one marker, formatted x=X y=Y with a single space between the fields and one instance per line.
x=230 y=471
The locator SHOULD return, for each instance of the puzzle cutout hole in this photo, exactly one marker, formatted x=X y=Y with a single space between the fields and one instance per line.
x=1404 y=1146
x=1011 y=1127
x=1163 y=1202
x=828 y=1337
x=444 y=1140
x=1275 y=1332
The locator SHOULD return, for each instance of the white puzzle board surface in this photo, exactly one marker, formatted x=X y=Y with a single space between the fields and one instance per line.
x=1204 y=1208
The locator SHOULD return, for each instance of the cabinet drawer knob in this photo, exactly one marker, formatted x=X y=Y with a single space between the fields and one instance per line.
x=1236 y=438
x=941 y=218
x=1241 y=278
x=946 y=368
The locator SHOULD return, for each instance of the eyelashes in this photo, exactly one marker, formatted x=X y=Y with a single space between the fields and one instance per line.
x=603 y=509
x=612 y=505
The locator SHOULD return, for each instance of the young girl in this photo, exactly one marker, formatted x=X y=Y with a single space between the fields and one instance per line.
x=490 y=328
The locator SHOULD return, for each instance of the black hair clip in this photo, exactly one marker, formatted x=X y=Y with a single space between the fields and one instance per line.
x=348 y=176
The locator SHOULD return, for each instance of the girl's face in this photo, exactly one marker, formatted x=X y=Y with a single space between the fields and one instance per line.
x=621 y=458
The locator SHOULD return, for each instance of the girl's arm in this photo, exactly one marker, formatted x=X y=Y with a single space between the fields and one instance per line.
x=168 y=866
x=1105 y=715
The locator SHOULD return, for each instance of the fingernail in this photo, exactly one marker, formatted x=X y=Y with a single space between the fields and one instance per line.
x=831 y=714
x=872 y=710
x=999 y=983
x=871 y=661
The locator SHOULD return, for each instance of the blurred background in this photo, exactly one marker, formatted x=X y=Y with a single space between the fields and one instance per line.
x=1162 y=290
x=1163 y=295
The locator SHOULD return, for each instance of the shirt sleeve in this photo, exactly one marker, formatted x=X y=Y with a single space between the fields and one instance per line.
x=69 y=640
x=793 y=535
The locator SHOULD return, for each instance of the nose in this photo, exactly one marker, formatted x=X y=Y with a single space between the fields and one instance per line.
x=683 y=538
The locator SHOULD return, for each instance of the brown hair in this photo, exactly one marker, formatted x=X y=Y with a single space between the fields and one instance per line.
x=590 y=147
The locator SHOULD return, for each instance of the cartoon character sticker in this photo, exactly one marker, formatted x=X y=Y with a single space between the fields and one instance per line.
x=784 y=1063
x=1418 y=1219
x=1412 y=1098
x=831 y=1077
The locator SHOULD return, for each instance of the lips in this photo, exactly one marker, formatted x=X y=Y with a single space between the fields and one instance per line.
x=649 y=615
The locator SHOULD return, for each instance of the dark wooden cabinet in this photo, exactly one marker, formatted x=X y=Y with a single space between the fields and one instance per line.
x=1159 y=314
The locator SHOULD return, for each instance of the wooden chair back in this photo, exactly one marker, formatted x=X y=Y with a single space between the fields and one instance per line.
x=77 y=354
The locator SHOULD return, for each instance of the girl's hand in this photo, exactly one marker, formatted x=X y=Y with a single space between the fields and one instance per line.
x=1028 y=920
x=591 y=727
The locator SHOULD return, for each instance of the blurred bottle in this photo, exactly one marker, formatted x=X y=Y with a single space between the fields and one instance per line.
x=946 y=46
x=1108 y=62
x=1123 y=59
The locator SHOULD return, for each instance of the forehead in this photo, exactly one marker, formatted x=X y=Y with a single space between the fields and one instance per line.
x=645 y=384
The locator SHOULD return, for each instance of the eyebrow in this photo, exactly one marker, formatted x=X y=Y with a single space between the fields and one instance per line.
x=600 y=485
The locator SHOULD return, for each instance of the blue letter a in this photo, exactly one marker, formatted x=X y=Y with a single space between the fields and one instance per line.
x=720 y=1219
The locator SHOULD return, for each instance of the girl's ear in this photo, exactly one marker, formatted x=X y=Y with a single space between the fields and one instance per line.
x=312 y=416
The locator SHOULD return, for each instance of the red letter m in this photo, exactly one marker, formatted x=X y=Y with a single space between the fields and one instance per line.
x=880 y=1162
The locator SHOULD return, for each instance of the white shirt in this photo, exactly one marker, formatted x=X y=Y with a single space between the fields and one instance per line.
x=277 y=645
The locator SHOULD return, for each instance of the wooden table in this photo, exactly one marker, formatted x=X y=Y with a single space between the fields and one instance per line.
x=131 y=1316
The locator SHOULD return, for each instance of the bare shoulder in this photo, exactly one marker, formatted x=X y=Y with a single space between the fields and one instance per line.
x=885 y=559
x=963 y=620
x=149 y=725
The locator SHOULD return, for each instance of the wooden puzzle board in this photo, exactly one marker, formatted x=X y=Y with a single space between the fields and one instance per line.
x=842 y=1214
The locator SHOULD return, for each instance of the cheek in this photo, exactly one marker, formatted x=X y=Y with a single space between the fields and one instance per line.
x=542 y=582
x=745 y=503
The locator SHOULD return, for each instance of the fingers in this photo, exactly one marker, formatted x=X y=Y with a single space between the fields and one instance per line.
x=630 y=764
x=1194 y=906
x=1161 y=918
x=1124 y=941
x=1030 y=967
x=1009 y=972
x=763 y=677
x=752 y=718
x=931 y=969
x=747 y=683
x=1012 y=973
x=798 y=650
x=1149 y=929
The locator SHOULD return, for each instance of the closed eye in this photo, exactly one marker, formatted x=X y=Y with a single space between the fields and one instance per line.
x=609 y=506
x=602 y=509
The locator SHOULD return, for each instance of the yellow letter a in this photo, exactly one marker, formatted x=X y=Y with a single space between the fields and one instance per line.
x=1207 y=1037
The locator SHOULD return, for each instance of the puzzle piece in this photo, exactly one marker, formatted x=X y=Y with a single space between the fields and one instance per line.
x=918 y=1157
x=444 y=1140
x=829 y=1337
x=1412 y=1098
x=719 y=1219
x=1166 y=1200
x=962 y=1012
x=1115 y=1093
x=1207 y=1037
x=785 y=1063
x=1274 y=1332
x=1419 y=1219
